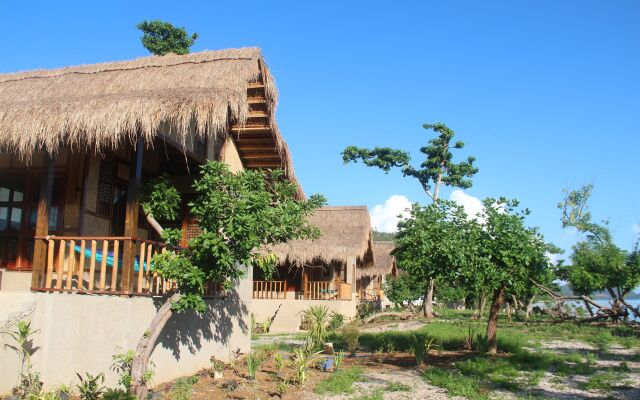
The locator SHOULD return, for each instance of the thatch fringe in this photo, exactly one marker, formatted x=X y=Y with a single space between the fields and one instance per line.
x=102 y=105
x=345 y=233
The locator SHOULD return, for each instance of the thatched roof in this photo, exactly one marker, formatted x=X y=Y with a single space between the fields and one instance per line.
x=345 y=232
x=383 y=261
x=102 y=105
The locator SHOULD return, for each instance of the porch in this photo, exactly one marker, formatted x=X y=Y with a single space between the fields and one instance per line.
x=319 y=282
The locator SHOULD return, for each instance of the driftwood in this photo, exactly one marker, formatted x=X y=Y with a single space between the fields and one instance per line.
x=615 y=312
x=399 y=315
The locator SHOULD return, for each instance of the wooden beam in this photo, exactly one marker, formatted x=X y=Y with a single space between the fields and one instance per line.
x=258 y=114
x=131 y=221
x=251 y=128
x=255 y=85
x=258 y=147
x=42 y=222
x=262 y=164
x=260 y=155
x=257 y=100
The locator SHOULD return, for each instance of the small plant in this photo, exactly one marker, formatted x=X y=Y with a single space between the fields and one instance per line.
x=301 y=362
x=469 y=340
x=122 y=366
x=236 y=355
x=420 y=347
x=279 y=360
x=336 y=321
x=253 y=364
x=182 y=389
x=351 y=337
x=282 y=387
x=217 y=365
x=337 y=359
x=318 y=319
x=29 y=380
x=229 y=386
x=90 y=387
x=397 y=387
x=118 y=394
x=265 y=326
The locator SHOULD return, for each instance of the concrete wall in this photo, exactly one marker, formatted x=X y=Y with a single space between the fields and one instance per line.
x=80 y=333
x=288 y=312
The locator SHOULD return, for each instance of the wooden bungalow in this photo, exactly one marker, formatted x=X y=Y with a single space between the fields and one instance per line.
x=325 y=268
x=370 y=281
x=78 y=142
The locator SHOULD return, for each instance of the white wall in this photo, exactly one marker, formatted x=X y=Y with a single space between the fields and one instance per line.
x=80 y=333
x=288 y=312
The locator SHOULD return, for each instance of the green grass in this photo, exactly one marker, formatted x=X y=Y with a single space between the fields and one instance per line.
x=456 y=383
x=601 y=381
x=397 y=387
x=375 y=395
x=340 y=381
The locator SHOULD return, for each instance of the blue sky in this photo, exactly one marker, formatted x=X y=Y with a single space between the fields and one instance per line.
x=546 y=94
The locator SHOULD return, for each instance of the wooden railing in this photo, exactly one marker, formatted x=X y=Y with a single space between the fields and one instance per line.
x=95 y=265
x=327 y=290
x=269 y=289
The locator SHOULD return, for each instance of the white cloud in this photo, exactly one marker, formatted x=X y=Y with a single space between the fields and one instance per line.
x=472 y=205
x=384 y=217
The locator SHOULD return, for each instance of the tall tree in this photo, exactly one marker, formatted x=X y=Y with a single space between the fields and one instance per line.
x=597 y=263
x=160 y=38
x=239 y=215
x=503 y=253
x=437 y=169
x=429 y=241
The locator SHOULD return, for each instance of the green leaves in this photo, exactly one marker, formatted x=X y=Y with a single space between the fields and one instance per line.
x=437 y=168
x=384 y=158
x=160 y=199
x=239 y=215
x=596 y=262
x=162 y=37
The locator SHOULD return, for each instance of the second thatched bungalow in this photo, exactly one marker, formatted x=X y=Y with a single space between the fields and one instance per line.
x=313 y=272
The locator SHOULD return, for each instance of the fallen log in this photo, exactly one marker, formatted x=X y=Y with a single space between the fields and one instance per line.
x=399 y=315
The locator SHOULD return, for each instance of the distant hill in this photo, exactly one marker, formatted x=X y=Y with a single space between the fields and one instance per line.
x=383 y=236
x=565 y=290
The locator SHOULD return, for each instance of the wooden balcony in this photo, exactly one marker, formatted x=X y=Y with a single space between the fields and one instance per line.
x=269 y=289
x=97 y=265
x=327 y=290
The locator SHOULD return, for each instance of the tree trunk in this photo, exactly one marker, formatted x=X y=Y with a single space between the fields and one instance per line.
x=589 y=309
x=146 y=344
x=428 y=300
x=516 y=306
x=154 y=224
x=507 y=307
x=492 y=325
x=483 y=304
x=529 y=309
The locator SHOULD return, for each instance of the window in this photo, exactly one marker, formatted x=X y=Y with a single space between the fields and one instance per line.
x=105 y=188
x=200 y=146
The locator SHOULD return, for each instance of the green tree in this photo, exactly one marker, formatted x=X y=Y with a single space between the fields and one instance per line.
x=239 y=215
x=161 y=37
x=502 y=253
x=429 y=242
x=597 y=264
x=436 y=170
x=403 y=289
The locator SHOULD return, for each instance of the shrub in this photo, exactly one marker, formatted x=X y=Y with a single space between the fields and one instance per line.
x=182 y=388
x=318 y=319
x=90 y=387
x=351 y=337
x=336 y=322
x=118 y=394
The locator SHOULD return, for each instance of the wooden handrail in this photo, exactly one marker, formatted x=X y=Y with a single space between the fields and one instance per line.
x=66 y=268
x=327 y=290
x=269 y=289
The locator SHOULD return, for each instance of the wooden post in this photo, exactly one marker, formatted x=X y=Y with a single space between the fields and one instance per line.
x=42 y=222
x=131 y=221
x=305 y=279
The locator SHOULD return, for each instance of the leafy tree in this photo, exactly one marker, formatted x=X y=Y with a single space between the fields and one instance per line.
x=436 y=170
x=502 y=253
x=403 y=289
x=597 y=264
x=239 y=215
x=161 y=37
x=429 y=243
